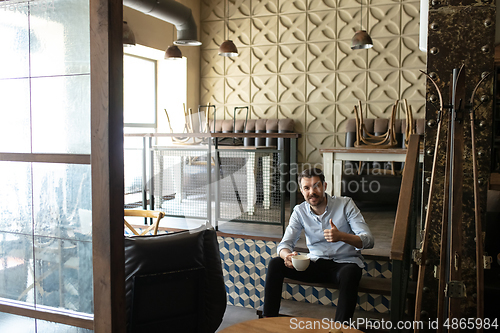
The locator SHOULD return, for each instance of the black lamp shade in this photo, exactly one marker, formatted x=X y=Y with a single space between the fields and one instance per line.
x=228 y=49
x=128 y=35
x=173 y=52
x=361 y=40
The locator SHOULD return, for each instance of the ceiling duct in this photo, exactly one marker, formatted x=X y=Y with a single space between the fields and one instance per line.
x=172 y=12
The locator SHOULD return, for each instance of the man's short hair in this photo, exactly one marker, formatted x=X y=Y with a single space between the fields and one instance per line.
x=311 y=172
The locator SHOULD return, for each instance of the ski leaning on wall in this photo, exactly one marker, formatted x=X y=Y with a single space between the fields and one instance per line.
x=458 y=269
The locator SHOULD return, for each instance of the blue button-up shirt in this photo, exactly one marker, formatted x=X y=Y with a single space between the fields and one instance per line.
x=346 y=217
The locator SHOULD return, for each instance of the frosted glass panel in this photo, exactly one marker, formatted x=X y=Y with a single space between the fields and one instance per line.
x=14 y=38
x=63 y=274
x=62 y=200
x=61 y=114
x=60 y=37
x=15 y=197
x=16 y=264
x=15 y=114
x=51 y=327
x=18 y=324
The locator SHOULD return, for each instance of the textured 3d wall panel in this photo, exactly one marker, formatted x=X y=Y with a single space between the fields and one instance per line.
x=296 y=62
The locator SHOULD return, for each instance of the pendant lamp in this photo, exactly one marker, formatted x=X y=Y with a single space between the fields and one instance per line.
x=173 y=52
x=361 y=39
x=128 y=35
x=227 y=48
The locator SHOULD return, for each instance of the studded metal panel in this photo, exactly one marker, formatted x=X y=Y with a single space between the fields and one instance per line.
x=460 y=32
x=296 y=62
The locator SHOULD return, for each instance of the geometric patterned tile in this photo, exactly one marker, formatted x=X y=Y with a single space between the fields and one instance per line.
x=299 y=293
x=296 y=6
x=321 y=118
x=291 y=58
x=244 y=264
x=325 y=296
x=292 y=88
x=385 y=53
x=369 y=268
x=258 y=297
x=385 y=21
x=237 y=90
x=384 y=269
x=321 y=57
x=264 y=89
x=292 y=28
x=239 y=8
x=212 y=10
x=265 y=7
x=321 y=87
x=322 y=4
x=321 y=26
x=314 y=142
x=296 y=53
x=363 y=302
x=239 y=31
x=383 y=85
x=380 y=303
x=410 y=17
x=264 y=30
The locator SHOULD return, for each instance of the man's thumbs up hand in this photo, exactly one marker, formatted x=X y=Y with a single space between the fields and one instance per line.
x=333 y=234
x=332 y=225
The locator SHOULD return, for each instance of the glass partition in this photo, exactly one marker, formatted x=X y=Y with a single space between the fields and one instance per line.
x=45 y=188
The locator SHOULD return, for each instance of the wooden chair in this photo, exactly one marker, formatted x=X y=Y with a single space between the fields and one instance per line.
x=368 y=140
x=410 y=128
x=144 y=213
x=388 y=139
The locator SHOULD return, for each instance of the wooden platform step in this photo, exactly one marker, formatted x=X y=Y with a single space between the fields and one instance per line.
x=370 y=254
x=367 y=284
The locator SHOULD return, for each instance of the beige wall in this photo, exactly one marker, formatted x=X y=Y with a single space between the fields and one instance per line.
x=295 y=62
x=155 y=33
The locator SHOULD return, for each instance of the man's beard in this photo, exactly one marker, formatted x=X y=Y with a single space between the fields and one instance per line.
x=317 y=197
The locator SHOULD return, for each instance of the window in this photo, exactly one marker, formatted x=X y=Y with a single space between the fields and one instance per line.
x=46 y=242
x=58 y=189
x=139 y=92
x=151 y=85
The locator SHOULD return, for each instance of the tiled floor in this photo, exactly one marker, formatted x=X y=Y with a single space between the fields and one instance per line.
x=236 y=314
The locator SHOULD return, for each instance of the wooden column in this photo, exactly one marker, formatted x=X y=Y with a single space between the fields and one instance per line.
x=106 y=24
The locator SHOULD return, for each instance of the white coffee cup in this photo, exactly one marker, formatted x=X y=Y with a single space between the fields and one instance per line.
x=300 y=262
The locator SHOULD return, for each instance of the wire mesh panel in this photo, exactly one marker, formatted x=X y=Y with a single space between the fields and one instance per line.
x=248 y=189
x=232 y=183
x=180 y=181
x=133 y=172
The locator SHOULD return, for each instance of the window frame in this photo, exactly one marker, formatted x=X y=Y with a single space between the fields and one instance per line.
x=106 y=159
x=155 y=61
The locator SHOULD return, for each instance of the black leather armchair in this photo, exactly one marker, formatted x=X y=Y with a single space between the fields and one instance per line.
x=174 y=282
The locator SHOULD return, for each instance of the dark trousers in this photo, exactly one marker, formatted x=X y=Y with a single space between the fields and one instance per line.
x=347 y=277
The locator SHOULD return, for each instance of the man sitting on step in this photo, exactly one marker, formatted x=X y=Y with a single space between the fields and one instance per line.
x=335 y=234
